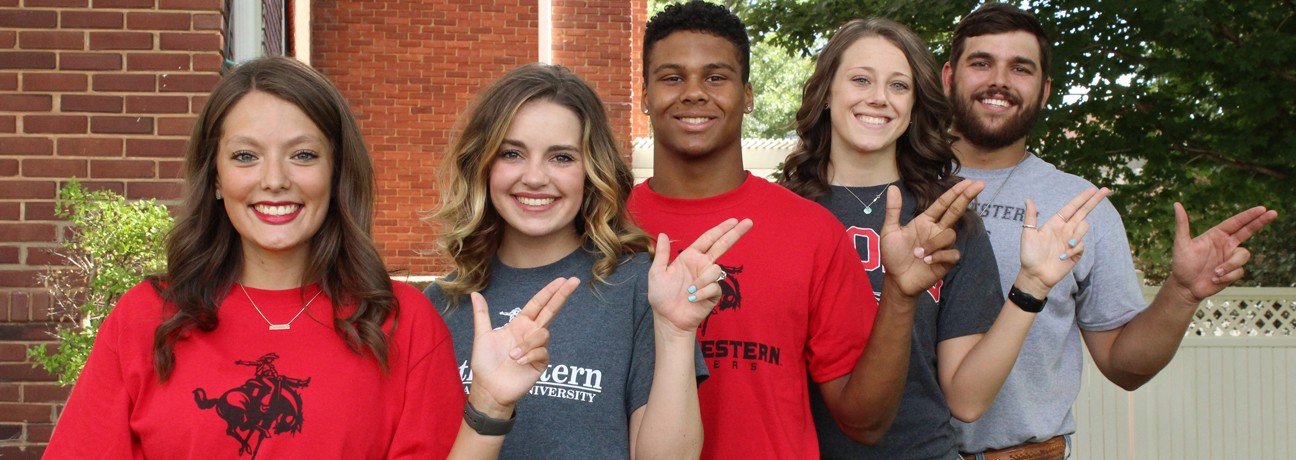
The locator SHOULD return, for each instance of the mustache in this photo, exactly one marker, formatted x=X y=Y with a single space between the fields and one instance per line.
x=1000 y=93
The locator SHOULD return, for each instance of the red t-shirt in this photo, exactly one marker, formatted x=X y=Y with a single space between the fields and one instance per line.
x=796 y=301
x=244 y=391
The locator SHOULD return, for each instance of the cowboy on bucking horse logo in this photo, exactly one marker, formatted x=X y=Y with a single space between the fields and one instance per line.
x=265 y=405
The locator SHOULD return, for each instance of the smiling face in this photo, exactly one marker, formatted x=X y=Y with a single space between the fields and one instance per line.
x=537 y=180
x=997 y=89
x=274 y=169
x=695 y=94
x=871 y=98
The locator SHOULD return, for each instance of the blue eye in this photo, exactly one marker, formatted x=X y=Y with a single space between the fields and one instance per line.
x=305 y=155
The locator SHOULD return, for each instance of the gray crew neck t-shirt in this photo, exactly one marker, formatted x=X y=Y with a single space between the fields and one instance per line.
x=601 y=350
x=1101 y=293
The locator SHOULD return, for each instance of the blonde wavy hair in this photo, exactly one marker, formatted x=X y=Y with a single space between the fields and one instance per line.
x=472 y=228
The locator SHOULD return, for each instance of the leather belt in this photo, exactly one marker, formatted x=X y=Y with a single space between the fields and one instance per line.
x=1052 y=449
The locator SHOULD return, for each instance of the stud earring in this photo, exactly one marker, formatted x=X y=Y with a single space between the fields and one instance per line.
x=749 y=109
x=218 y=195
x=645 y=110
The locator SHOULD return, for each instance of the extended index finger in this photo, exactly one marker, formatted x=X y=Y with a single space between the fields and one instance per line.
x=952 y=204
x=1090 y=203
x=1246 y=223
x=557 y=294
x=728 y=240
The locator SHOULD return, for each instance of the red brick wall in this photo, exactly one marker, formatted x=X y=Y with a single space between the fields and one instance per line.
x=410 y=67
x=106 y=95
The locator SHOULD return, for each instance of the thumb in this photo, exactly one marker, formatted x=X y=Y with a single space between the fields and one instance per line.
x=481 y=319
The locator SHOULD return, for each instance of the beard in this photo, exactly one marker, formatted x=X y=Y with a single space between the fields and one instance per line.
x=976 y=132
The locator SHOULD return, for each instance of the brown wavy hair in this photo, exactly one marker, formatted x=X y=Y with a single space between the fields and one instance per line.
x=203 y=250
x=923 y=155
x=472 y=228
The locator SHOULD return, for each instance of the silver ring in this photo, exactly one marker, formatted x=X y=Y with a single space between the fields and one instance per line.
x=723 y=275
x=1029 y=226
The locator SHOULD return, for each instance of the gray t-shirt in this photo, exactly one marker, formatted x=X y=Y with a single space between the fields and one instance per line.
x=601 y=356
x=1100 y=294
x=965 y=302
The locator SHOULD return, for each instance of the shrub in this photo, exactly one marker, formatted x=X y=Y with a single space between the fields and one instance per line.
x=111 y=245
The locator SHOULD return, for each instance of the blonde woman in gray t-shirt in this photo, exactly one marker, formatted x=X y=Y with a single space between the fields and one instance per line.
x=537 y=190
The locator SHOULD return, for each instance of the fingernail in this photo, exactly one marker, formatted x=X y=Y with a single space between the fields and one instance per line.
x=524 y=360
x=1219 y=271
x=692 y=298
x=1062 y=257
x=918 y=252
x=1073 y=242
x=927 y=259
x=515 y=353
x=692 y=289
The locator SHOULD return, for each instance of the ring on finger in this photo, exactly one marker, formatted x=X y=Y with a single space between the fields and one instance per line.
x=1032 y=227
x=722 y=276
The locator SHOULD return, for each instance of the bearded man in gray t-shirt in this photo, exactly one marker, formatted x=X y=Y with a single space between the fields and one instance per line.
x=997 y=80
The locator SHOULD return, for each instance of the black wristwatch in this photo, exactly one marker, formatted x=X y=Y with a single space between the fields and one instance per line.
x=485 y=425
x=1026 y=301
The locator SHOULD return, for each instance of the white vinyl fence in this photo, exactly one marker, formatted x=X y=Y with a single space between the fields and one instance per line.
x=1229 y=393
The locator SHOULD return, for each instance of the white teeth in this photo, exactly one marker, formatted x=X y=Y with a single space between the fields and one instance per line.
x=535 y=201
x=995 y=102
x=277 y=210
x=694 y=120
x=871 y=120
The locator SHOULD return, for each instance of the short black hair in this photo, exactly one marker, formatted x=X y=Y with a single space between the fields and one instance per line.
x=999 y=18
x=699 y=16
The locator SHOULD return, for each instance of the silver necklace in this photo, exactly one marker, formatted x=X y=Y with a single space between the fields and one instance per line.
x=868 y=208
x=284 y=326
x=1004 y=184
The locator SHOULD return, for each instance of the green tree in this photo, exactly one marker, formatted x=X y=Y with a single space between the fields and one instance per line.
x=112 y=244
x=1162 y=100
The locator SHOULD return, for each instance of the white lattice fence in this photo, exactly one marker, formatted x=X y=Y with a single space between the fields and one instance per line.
x=1247 y=312
x=1228 y=394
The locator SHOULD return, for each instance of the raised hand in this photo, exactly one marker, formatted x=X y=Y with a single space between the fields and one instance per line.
x=1206 y=264
x=683 y=291
x=507 y=361
x=1049 y=251
x=916 y=255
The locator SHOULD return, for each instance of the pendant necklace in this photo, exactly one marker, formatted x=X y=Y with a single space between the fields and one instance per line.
x=284 y=326
x=1004 y=184
x=868 y=208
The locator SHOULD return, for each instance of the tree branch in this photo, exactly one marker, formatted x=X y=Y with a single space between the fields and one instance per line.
x=1232 y=37
x=1219 y=158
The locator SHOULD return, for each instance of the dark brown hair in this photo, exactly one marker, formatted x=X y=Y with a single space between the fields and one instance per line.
x=203 y=250
x=999 y=18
